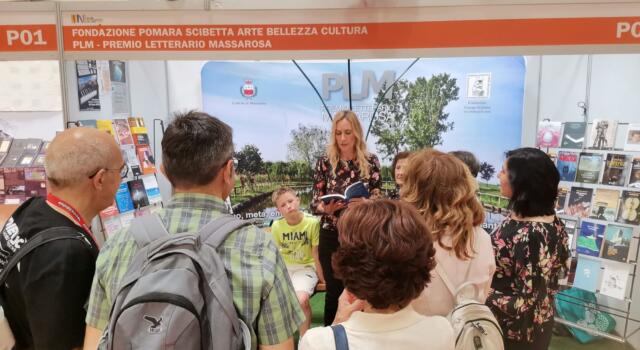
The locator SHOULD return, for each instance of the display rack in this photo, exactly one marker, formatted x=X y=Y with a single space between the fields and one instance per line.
x=621 y=309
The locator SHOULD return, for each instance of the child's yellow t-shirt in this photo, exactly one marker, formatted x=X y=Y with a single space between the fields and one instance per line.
x=295 y=242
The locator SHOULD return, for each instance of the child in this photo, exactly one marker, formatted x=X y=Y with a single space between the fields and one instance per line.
x=297 y=235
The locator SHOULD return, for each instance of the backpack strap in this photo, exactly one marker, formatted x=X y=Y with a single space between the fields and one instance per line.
x=215 y=232
x=447 y=282
x=340 y=337
x=147 y=228
x=39 y=239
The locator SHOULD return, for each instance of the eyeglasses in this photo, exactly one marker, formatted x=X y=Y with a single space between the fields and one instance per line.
x=124 y=171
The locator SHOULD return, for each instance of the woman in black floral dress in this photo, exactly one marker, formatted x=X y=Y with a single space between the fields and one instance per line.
x=346 y=161
x=531 y=247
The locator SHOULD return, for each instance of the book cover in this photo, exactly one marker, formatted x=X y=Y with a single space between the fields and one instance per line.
x=131 y=158
x=570 y=276
x=88 y=123
x=617 y=241
x=138 y=193
x=5 y=144
x=123 y=133
x=355 y=190
x=615 y=277
x=553 y=155
x=137 y=125
x=579 y=203
x=629 y=212
x=26 y=160
x=573 y=136
x=589 y=168
x=16 y=151
x=123 y=199
x=587 y=274
x=602 y=134
x=616 y=169
x=141 y=139
x=147 y=163
x=605 y=204
x=109 y=212
x=567 y=165
x=634 y=174
x=548 y=134
x=39 y=161
x=105 y=125
x=153 y=190
x=590 y=238
x=14 y=186
x=561 y=201
x=570 y=227
x=632 y=141
x=35 y=182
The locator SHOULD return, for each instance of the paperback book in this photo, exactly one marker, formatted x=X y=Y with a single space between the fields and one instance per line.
x=579 y=203
x=147 y=163
x=590 y=238
x=138 y=193
x=35 y=182
x=123 y=199
x=561 y=201
x=355 y=190
x=123 y=133
x=567 y=165
x=573 y=136
x=587 y=273
x=589 y=168
x=141 y=139
x=105 y=125
x=605 y=204
x=634 y=174
x=570 y=226
x=548 y=134
x=629 y=212
x=616 y=169
x=602 y=134
x=615 y=277
x=632 y=142
x=153 y=190
x=131 y=158
x=14 y=186
x=617 y=241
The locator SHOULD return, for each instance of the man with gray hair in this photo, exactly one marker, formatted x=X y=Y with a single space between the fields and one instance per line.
x=44 y=296
x=197 y=158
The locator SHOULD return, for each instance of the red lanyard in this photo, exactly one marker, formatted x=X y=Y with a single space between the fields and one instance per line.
x=66 y=207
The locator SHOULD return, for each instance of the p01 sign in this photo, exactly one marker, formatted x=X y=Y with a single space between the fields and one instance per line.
x=21 y=38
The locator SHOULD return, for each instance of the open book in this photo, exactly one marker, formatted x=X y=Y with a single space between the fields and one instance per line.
x=355 y=190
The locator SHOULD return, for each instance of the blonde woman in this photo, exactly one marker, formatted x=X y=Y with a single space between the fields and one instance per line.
x=443 y=190
x=346 y=161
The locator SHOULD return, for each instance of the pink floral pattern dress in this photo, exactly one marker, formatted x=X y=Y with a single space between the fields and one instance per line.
x=529 y=257
x=325 y=182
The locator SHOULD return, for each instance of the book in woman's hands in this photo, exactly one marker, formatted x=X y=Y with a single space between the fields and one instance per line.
x=355 y=190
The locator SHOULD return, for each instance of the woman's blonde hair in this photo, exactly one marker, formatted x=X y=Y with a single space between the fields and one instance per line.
x=441 y=187
x=333 y=152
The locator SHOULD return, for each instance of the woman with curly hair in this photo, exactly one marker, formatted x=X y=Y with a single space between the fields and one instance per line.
x=443 y=190
x=531 y=247
x=384 y=260
x=346 y=161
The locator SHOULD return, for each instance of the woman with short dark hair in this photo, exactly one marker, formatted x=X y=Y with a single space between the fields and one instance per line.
x=384 y=260
x=398 y=168
x=531 y=247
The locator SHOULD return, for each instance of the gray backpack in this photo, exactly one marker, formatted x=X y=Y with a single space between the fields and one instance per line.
x=176 y=294
x=474 y=325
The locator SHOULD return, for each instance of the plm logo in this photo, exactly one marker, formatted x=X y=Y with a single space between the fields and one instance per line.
x=249 y=90
x=79 y=19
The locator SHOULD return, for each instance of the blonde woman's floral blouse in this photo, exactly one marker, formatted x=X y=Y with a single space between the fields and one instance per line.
x=529 y=257
x=347 y=172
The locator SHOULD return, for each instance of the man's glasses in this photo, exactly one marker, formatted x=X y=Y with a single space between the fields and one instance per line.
x=124 y=171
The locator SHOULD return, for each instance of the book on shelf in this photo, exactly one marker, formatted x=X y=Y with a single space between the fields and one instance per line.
x=105 y=125
x=579 y=202
x=567 y=165
x=589 y=168
x=632 y=141
x=141 y=139
x=123 y=199
x=35 y=182
x=14 y=186
x=39 y=161
x=570 y=227
x=634 y=174
x=590 y=238
x=355 y=190
x=548 y=133
x=616 y=169
x=123 y=133
x=153 y=189
x=138 y=193
x=131 y=158
x=553 y=155
x=573 y=135
x=602 y=134
x=147 y=162
x=617 y=242
x=605 y=204
x=615 y=277
x=137 y=125
x=629 y=211
x=561 y=201
x=5 y=144
x=587 y=273
x=88 y=123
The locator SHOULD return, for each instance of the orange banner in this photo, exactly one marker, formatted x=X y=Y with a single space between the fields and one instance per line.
x=396 y=35
x=32 y=37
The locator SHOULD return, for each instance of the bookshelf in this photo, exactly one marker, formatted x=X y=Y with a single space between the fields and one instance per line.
x=606 y=268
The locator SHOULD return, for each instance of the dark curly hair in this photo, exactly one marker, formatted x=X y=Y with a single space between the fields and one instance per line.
x=386 y=253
